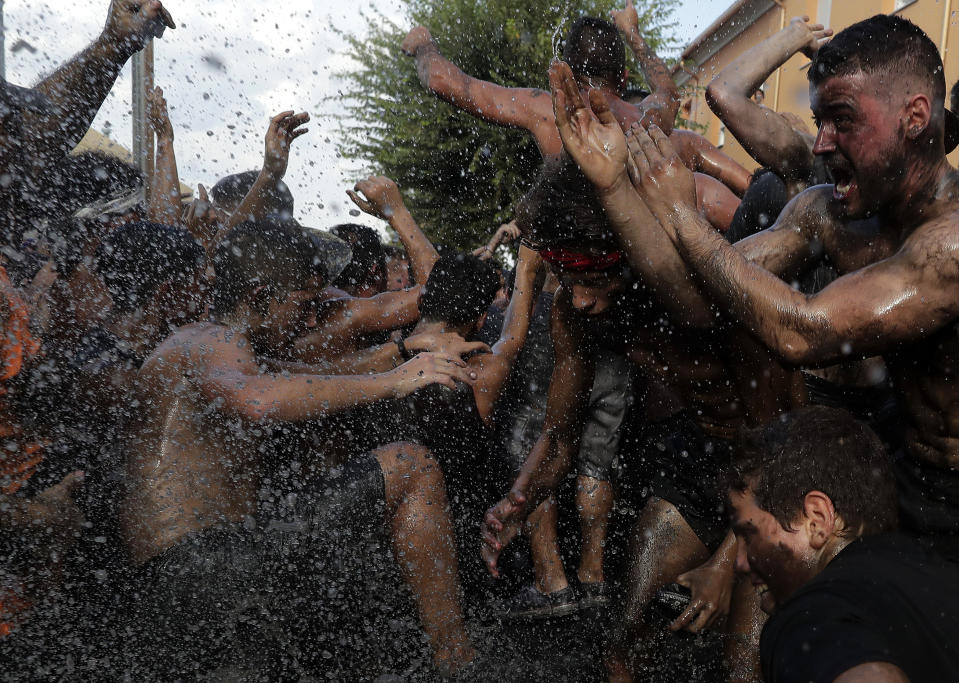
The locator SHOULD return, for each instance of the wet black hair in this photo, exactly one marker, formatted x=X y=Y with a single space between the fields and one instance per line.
x=561 y=208
x=593 y=48
x=459 y=289
x=230 y=191
x=267 y=253
x=367 y=268
x=819 y=449
x=954 y=97
x=137 y=258
x=886 y=44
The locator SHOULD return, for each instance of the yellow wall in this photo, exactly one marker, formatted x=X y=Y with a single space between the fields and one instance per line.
x=787 y=89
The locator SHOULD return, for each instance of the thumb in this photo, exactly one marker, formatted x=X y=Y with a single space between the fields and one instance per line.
x=600 y=107
x=683 y=580
x=517 y=498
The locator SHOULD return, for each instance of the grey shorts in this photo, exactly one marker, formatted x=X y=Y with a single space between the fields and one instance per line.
x=608 y=404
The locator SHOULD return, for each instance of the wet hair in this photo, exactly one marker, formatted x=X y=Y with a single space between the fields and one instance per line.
x=882 y=44
x=393 y=252
x=267 y=253
x=459 y=289
x=367 y=268
x=79 y=180
x=819 y=449
x=593 y=48
x=561 y=209
x=137 y=258
x=231 y=190
x=954 y=97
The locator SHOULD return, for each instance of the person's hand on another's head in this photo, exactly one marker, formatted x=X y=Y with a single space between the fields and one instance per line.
x=416 y=39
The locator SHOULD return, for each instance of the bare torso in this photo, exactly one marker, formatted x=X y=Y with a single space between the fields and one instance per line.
x=188 y=466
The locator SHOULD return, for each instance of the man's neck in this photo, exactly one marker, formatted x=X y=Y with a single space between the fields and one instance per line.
x=925 y=193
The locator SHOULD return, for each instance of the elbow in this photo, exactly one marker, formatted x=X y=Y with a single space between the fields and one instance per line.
x=716 y=97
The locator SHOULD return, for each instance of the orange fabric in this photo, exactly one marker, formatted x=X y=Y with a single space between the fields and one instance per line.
x=17 y=345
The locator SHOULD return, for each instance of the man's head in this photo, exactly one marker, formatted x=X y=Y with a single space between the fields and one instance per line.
x=595 y=51
x=398 y=274
x=270 y=272
x=803 y=487
x=459 y=291
x=561 y=218
x=143 y=263
x=878 y=92
x=366 y=273
x=230 y=191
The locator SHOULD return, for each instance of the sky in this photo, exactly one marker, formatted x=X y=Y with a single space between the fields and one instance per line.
x=227 y=68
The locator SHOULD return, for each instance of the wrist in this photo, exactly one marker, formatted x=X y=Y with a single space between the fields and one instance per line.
x=621 y=183
x=425 y=49
x=401 y=348
x=113 y=48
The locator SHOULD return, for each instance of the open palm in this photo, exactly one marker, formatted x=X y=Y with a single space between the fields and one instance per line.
x=590 y=132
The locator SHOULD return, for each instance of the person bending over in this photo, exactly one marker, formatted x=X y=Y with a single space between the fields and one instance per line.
x=194 y=457
x=850 y=600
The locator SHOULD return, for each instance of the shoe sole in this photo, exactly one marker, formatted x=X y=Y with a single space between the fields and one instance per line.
x=561 y=611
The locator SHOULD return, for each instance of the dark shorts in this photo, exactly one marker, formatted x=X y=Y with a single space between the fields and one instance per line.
x=608 y=405
x=236 y=600
x=676 y=462
x=929 y=505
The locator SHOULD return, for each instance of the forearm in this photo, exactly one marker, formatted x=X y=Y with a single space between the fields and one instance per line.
x=764 y=304
x=520 y=309
x=420 y=250
x=165 y=188
x=749 y=71
x=301 y=397
x=545 y=468
x=76 y=91
x=254 y=206
x=658 y=78
x=652 y=254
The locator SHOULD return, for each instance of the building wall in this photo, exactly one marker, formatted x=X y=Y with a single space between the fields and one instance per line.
x=787 y=88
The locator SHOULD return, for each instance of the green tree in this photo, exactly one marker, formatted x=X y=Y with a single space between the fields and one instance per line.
x=461 y=176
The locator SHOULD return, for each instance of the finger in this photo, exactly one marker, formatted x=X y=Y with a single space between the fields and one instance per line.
x=686 y=617
x=476 y=347
x=662 y=141
x=279 y=117
x=636 y=151
x=492 y=522
x=300 y=118
x=560 y=106
x=600 y=107
x=297 y=133
x=359 y=201
x=204 y=197
x=167 y=17
x=489 y=559
x=705 y=616
x=517 y=498
x=646 y=145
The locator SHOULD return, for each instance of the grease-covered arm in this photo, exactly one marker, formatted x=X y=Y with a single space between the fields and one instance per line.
x=662 y=104
x=165 y=186
x=768 y=137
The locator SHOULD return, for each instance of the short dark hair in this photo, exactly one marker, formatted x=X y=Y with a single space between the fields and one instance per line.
x=594 y=49
x=89 y=177
x=368 y=265
x=954 y=97
x=819 y=449
x=883 y=43
x=459 y=290
x=261 y=253
x=231 y=190
x=137 y=258
x=561 y=208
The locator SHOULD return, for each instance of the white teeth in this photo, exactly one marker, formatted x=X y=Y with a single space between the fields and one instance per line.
x=844 y=188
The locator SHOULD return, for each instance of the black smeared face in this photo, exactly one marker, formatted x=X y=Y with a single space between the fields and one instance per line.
x=861 y=139
x=593 y=293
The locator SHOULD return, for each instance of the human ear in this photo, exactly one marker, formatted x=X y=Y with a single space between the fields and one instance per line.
x=819 y=518
x=917 y=115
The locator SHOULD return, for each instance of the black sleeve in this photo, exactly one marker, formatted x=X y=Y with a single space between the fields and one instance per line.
x=819 y=639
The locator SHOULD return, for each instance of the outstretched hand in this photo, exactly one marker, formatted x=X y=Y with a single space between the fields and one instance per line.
x=501 y=524
x=591 y=134
x=448 y=344
x=626 y=19
x=378 y=196
x=284 y=128
x=131 y=23
x=711 y=587
x=429 y=368
x=662 y=181
x=814 y=35
x=158 y=113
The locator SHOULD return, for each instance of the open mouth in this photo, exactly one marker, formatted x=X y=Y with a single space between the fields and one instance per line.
x=844 y=182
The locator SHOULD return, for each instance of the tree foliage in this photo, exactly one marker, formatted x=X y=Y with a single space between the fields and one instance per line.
x=461 y=176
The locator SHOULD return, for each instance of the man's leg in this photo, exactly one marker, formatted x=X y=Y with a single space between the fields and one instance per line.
x=594 y=500
x=422 y=538
x=663 y=547
x=541 y=528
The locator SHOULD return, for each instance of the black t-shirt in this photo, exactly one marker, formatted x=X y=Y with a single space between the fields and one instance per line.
x=881 y=599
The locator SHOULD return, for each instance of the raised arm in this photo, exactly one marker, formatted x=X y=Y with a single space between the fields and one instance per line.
x=381 y=198
x=594 y=140
x=551 y=457
x=520 y=107
x=78 y=88
x=768 y=137
x=495 y=367
x=284 y=128
x=508 y=232
x=662 y=105
x=867 y=312
x=165 y=184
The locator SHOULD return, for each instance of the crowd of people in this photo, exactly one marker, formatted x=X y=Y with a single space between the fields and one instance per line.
x=714 y=402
